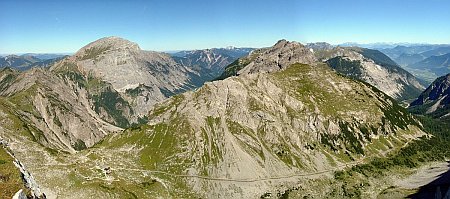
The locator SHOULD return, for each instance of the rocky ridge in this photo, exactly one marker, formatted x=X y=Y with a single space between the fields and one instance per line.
x=435 y=100
x=367 y=65
x=374 y=68
x=143 y=78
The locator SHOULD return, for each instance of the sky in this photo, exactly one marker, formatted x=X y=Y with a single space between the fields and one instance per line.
x=55 y=26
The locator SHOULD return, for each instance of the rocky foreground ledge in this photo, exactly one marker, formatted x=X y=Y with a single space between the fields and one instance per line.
x=28 y=179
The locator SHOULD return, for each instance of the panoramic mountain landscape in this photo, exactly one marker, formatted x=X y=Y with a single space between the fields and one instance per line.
x=223 y=100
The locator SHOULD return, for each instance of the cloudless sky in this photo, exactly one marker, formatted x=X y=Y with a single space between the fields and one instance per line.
x=56 y=26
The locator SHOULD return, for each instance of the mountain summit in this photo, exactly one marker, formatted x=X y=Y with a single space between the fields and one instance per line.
x=275 y=58
x=107 y=43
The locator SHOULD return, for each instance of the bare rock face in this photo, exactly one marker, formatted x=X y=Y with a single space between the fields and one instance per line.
x=20 y=195
x=125 y=66
x=279 y=57
x=55 y=110
x=374 y=68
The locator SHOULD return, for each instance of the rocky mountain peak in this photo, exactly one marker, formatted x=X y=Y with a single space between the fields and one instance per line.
x=107 y=43
x=283 y=43
x=320 y=46
x=278 y=57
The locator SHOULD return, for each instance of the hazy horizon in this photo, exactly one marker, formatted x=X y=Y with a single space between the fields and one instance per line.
x=178 y=50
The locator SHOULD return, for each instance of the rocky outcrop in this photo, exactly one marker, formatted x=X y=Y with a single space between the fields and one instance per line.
x=279 y=57
x=123 y=64
x=364 y=64
x=56 y=110
x=271 y=59
x=28 y=179
x=20 y=195
x=397 y=83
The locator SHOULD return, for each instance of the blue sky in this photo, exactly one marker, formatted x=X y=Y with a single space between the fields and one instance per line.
x=65 y=26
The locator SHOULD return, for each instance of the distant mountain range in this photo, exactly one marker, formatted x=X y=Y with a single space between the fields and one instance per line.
x=27 y=61
x=438 y=64
x=46 y=56
x=423 y=61
x=405 y=56
x=210 y=62
x=398 y=50
x=380 y=45
x=230 y=51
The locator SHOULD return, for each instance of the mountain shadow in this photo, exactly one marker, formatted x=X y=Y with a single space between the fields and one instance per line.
x=437 y=189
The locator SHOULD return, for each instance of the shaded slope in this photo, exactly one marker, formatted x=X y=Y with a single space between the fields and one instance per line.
x=435 y=100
